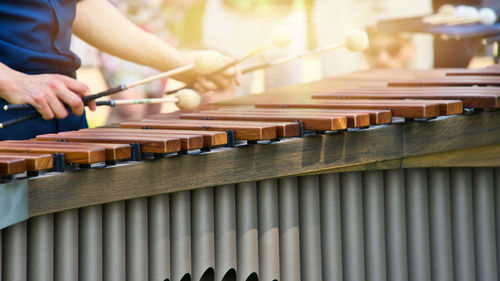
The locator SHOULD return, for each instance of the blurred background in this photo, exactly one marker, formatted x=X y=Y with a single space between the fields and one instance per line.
x=235 y=27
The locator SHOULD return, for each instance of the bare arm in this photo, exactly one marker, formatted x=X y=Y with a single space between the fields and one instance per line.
x=100 y=24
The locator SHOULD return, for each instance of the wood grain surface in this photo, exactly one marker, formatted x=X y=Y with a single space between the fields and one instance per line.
x=242 y=131
x=34 y=162
x=11 y=166
x=210 y=139
x=354 y=119
x=149 y=144
x=448 y=81
x=472 y=100
x=73 y=153
x=320 y=123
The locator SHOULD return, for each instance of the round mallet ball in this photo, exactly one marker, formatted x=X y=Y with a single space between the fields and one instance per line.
x=356 y=40
x=466 y=12
x=488 y=16
x=188 y=99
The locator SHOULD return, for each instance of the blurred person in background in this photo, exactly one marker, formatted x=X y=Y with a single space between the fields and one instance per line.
x=389 y=50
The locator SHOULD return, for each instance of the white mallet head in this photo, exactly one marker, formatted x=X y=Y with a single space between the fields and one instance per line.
x=446 y=10
x=282 y=37
x=488 y=16
x=208 y=62
x=357 y=40
x=466 y=12
x=187 y=99
x=472 y=13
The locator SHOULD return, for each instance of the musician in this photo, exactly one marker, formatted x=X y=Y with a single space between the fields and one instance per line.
x=37 y=66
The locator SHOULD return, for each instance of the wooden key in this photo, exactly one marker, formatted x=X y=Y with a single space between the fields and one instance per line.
x=73 y=153
x=210 y=138
x=474 y=72
x=188 y=142
x=241 y=132
x=401 y=108
x=309 y=123
x=113 y=151
x=354 y=120
x=377 y=116
x=11 y=166
x=448 y=81
x=283 y=129
x=148 y=144
x=34 y=162
x=430 y=89
x=445 y=107
x=487 y=99
x=385 y=74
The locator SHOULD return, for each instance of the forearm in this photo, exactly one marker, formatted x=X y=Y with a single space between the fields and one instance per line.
x=100 y=24
x=8 y=80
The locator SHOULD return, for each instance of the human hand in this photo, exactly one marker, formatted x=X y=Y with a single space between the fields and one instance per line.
x=47 y=93
x=205 y=76
x=222 y=81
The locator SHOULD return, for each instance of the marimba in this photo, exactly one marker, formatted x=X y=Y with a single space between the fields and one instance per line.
x=375 y=175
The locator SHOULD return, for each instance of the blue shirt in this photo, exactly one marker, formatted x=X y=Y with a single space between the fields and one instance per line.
x=35 y=37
